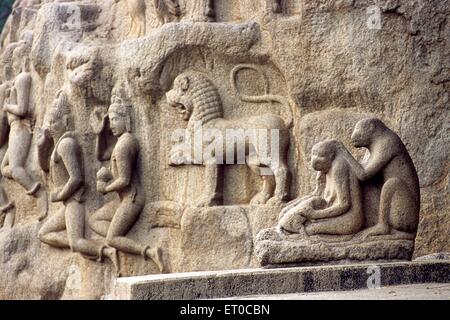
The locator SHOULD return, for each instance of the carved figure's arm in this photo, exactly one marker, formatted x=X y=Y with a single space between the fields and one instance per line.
x=69 y=152
x=44 y=145
x=20 y=96
x=375 y=163
x=320 y=184
x=342 y=202
x=125 y=159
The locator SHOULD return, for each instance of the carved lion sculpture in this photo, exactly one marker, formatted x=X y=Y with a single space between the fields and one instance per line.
x=198 y=100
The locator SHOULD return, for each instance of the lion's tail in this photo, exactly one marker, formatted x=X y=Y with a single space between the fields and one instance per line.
x=287 y=111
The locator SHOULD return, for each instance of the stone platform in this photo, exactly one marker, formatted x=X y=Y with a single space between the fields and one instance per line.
x=251 y=282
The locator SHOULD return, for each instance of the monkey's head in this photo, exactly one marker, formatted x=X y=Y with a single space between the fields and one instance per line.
x=365 y=131
x=323 y=154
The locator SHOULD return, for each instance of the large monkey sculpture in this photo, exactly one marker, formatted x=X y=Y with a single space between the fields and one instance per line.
x=400 y=194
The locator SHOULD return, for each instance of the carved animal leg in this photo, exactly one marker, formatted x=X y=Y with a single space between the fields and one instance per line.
x=214 y=185
x=53 y=232
x=266 y=192
x=210 y=10
x=100 y=220
x=281 y=184
x=394 y=214
x=255 y=165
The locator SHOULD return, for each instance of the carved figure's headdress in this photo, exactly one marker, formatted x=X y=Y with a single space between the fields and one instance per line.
x=121 y=107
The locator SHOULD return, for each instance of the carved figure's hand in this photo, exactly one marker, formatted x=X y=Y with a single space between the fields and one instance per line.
x=97 y=121
x=101 y=187
x=104 y=175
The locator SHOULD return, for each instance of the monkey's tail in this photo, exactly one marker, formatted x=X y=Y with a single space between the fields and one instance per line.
x=288 y=106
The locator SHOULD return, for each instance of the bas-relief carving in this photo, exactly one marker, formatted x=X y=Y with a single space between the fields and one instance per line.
x=136 y=10
x=17 y=106
x=333 y=215
x=324 y=225
x=198 y=101
x=335 y=206
x=115 y=219
x=60 y=154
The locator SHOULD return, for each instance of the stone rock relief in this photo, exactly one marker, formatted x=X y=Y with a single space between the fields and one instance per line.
x=335 y=209
x=95 y=170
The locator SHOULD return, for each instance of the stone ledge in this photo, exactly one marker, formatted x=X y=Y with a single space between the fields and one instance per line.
x=222 y=284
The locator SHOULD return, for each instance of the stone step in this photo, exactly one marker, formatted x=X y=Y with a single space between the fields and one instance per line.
x=251 y=282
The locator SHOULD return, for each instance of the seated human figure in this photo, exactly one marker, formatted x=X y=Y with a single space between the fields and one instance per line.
x=335 y=207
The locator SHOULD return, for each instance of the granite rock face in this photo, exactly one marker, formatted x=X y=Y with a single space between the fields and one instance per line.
x=92 y=93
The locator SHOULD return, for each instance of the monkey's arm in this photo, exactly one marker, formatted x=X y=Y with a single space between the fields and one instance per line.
x=320 y=184
x=342 y=202
x=125 y=158
x=318 y=191
x=375 y=163
x=20 y=98
x=69 y=152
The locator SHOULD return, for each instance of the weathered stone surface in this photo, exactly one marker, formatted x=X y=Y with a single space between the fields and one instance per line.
x=229 y=232
x=323 y=66
x=208 y=285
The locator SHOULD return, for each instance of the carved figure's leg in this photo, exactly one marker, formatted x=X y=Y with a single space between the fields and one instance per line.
x=345 y=224
x=75 y=213
x=5 y=169
x=53 y=232
x=18 y=149
x=214 y=185
x=2 y=219
x=398 y=210
x=125 y=217
x=100 y=220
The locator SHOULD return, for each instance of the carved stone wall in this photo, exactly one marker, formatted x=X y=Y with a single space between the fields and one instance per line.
x=318 y=67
